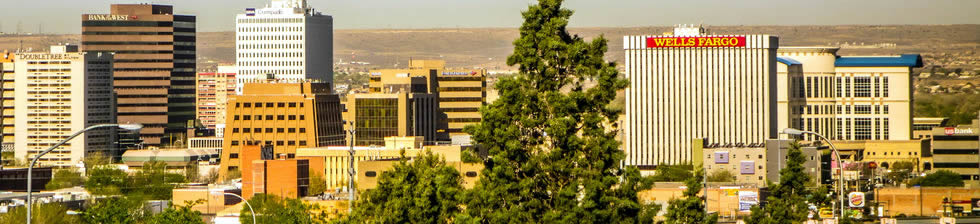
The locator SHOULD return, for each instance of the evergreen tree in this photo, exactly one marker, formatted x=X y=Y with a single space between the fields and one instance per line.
x=180 y=214
x=424 y=190
x=787 y=202
x=553 y=156
x=273 y=209
x=691 y=208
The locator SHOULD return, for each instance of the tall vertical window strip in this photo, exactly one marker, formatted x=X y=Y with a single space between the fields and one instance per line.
x=809 y=87
x=885 y=128
x=840 y=128
x=862 y=129
x=840 y=87
x=862 y=86
x=884 y=86
x=878 y=86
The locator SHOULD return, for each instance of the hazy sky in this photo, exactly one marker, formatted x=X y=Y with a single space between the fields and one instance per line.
x=64 y=16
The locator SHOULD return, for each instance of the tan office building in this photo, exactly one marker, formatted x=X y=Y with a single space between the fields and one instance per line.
x=155 y=64
x=57 y=94
x=852 y=97
x=213 y=91
x=399 y=113
x=957 y=149
x=286 y=116
x=461 y=91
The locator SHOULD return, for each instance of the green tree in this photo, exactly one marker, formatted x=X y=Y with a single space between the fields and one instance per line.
x=787 y=202
x=192 y=172
x=959 y=108
x=179 y=214
x=553 y=152
x=318 y=184
x=424 y=190
x=900 y=171
x=106 y=180
x=941 y=178
x=114 y=210
x=673 y=173
x=691 y=208
x=65 y=178
x=273 y=209
x=721 y=175
x=233 y=174
x=41 y=213
x=154 y=182
x=95 y=159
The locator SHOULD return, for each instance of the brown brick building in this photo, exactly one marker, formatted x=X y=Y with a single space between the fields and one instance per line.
x=285 y=116
x=154 y=69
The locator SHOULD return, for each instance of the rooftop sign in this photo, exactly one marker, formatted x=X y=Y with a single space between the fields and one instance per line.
x=108 y=17
x=679 y=42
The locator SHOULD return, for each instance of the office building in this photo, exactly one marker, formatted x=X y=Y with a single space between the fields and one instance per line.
x=956 y=149
x=922 y=126
x=262 y=173
x=284 y=116
x=57 y=94
x=288 y=39
x=399 y=113
x=852 y=97
x=461 y=91
x=213 y=91
x=755 y=164
x=691 y=85
x=155 y=62
x=7 y=101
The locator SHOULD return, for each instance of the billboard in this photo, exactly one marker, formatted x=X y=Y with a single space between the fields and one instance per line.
x=684 y=42
x=747 y=199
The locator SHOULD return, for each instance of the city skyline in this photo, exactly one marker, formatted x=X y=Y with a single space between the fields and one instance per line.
x=218 y=15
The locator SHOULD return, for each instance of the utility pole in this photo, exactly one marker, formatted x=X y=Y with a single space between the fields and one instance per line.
x=350 y=184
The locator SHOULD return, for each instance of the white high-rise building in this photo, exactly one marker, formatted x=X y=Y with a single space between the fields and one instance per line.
x=690 y=85
x=287 y=39
x=57 y=94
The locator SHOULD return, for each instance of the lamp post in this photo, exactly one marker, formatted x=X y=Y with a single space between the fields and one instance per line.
x=243 y=199
x=840 y=180
x=30 y=169
x=350 y=181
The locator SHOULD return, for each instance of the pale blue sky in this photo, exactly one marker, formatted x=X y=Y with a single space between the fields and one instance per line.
x=63 y=16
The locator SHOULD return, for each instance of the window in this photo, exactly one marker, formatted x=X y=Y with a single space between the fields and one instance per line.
x=238 y=104
x=268 y=142
x=292 y=130
x=268 y=117
x=258 y=117
x=840 y=86
x=291 y=143
x=258 y=130
x=280 y=143
x=471 y=174
x=280 y=117
x=268 y=104
x=234 y=130
x=862 y=86
x=292 y=104
x=302 y=117
x=280 y=130
x=238 y=117
x=247 y=117
x=302 y=130
x=302 y=143
x=292 y=117
x=233 y=155
x=862 y=109
x=247 y=104
x=370 y=174
x=258 y=104
x=281 y=104
x=862 y=128
x=246 y=130
x=884 y=87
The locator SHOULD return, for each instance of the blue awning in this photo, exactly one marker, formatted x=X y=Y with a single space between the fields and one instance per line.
x=905 y=60
x=788 y=61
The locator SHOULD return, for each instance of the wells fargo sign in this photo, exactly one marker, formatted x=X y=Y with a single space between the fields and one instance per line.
x=668 y=42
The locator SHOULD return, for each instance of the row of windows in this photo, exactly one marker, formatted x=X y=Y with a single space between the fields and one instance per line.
x=272 y=55
x=841 y=109
x=270 y=37
x=271 y=29
x=897 y=153
x=268 y=130
x=127 y=23
x=270 y=20
x=860 y=86
x=48 y=62
x=278 y=46
x=271 y=63
x=269 y=117
x=278 y=143
x=461 y=89
x=257 y=105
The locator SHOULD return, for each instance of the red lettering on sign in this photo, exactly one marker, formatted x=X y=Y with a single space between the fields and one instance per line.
x=671 y=42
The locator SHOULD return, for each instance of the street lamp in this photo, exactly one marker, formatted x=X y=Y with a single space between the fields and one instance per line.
x=840 y=181
x=350 y=181
x=243 y=199
x=30 y=169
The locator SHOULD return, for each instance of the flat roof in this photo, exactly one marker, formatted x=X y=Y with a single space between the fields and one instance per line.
x=904 y=60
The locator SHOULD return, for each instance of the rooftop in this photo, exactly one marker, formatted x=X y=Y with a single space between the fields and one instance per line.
x=905 y=60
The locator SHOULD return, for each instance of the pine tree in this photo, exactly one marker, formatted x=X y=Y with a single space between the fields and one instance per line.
x=553 y=153
x=787 y=202
x=691 y=208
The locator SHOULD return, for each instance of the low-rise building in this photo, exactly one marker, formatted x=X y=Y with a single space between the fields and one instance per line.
x=922 y=126
x=755 y=164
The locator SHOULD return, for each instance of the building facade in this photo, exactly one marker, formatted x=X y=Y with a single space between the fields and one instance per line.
x=691 y=85
x=7 y=101
x=956 y=149
x=284 y=116
x=852 y=98
x=288 y=39
x=57 y=94
x=755 y=164
x=380 y=115
x=213 y=91
x=154 y=68
x=922 y=126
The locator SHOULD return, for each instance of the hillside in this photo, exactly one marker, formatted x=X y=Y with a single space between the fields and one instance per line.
x=950 y=46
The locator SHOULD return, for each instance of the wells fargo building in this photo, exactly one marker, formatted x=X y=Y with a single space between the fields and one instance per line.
x=154 y=66
x=690 y=85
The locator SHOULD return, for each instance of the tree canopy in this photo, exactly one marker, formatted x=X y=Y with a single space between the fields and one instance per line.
x=941 y=178
x=553 y=155
x=787 y=202
x=273 y=209
x=65 y=178
x=691 y=208
x=424 y=190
